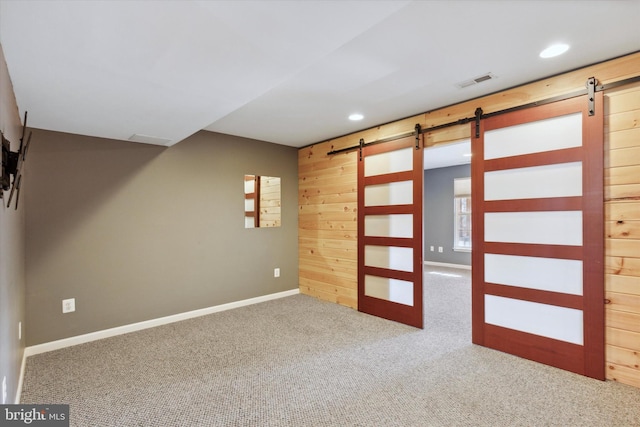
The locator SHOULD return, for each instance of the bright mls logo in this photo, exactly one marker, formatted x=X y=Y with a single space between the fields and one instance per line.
x=34 y=415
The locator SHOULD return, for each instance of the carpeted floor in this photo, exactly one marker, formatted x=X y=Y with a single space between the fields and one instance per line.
x=298 y=361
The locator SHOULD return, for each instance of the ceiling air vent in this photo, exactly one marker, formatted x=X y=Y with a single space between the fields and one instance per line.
x=147 y=139
x=476 y=80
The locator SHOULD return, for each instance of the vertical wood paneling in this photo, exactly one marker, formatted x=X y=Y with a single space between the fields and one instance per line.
x=327 y=224
x=270 y=201
x=327 y=231
x=622 y=234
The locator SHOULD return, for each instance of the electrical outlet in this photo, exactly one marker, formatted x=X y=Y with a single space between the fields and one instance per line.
x=4 y=390
x=440 y=249
x=431 y=248
x=276 y=272
x=68 y=305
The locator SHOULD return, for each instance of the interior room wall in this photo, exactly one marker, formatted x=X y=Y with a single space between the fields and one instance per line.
x=136 y=232
x=622 y=233
x=12 y=278
x=438 y=215
x=328 y=200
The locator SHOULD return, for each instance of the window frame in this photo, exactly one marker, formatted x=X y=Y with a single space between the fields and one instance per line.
x=462 y=190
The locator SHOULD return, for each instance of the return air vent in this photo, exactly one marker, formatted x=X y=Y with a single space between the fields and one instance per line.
x=147 y=139
x=476 y=80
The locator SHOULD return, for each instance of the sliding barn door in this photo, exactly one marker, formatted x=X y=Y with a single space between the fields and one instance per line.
x=538 y=238
x=390 y=269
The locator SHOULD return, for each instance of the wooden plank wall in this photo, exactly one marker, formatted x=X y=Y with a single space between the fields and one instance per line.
x=327 y=200
x=270 y=201
x=327 y=233
x=622 y=233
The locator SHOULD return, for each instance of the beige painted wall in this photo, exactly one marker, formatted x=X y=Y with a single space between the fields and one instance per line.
x=136 y=232
x=12 y=280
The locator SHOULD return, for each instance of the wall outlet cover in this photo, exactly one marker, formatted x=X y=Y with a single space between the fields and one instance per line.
x=68 y=305
x=440 y=249
x=276 y=272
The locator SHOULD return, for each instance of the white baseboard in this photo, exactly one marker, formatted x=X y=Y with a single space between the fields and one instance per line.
x=21 y=378
x=106 y=333
x=444 y=264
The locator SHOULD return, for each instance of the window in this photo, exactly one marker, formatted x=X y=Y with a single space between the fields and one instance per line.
x=462 y=214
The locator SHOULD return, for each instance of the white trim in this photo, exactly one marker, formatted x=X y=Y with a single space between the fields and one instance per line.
x=461 y=249
x=133 y=327
x=444 y=264
x=21 y=378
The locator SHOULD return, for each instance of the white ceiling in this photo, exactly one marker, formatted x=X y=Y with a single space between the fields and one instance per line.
x=288 y=72
x=445 y=155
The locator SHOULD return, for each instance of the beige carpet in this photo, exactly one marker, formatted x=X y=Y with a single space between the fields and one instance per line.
x=298 y=361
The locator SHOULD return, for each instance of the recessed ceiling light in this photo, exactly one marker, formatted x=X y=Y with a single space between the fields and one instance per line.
x=554 y=50
x=467 y=154
x=356 y=116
